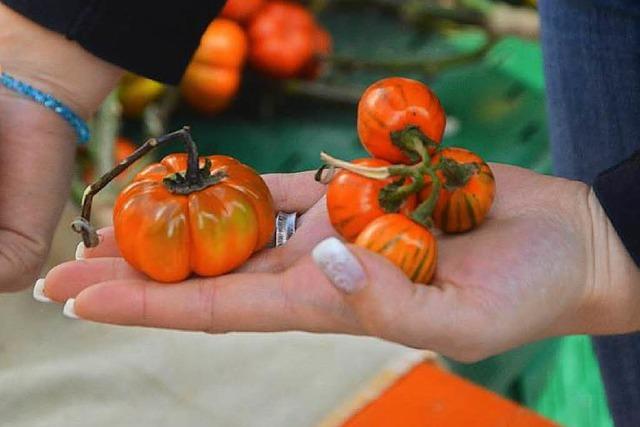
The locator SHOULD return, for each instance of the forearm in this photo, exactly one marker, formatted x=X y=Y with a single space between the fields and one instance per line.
x=36 y=145
x=54 y=64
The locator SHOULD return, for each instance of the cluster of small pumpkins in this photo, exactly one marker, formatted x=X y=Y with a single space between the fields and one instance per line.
x=277 y=38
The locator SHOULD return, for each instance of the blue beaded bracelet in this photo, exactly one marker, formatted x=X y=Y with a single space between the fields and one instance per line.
x=76 y=122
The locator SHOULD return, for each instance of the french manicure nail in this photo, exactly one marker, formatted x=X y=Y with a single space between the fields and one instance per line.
x=80 y=251
x=340 y=266
x=69 y=309
x=38 y=291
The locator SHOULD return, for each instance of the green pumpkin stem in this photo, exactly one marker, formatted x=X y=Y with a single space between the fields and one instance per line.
x=413 y=143
x=424 y=211
x=456 y=174
x=410 y=180
x=392 y=196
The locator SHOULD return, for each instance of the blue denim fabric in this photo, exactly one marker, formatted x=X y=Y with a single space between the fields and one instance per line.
x=592 y=68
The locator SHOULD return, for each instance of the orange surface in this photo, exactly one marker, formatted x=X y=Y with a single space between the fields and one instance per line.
x=429 y=396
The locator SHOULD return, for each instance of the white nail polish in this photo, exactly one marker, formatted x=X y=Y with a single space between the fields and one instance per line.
x=38 y=291
x=80 y=251
x=340 y=266
x=69 y=309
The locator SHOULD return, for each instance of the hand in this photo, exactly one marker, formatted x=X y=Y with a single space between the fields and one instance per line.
x=36 y=146
x=546 y=262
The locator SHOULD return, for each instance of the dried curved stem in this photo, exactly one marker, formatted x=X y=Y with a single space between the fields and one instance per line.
x=323 y=178
x=381 y=172
x=82 y=224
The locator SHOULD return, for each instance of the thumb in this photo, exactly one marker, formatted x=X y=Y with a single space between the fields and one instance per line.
x=384 y=301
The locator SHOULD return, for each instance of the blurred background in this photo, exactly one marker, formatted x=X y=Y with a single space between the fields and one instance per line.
x=251 y=94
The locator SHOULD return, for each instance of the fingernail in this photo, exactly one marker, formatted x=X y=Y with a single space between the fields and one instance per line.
x=38 y=291
x=69 y=309
x=80 y=251
x=340 y=266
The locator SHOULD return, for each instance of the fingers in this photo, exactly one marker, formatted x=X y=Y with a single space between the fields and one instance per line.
x=299 y=299
x=386 y=304
x=69 y=279
x=359 y=275
x=199 y=305
x=107 y=247
x=338 y=289
x=294 y=192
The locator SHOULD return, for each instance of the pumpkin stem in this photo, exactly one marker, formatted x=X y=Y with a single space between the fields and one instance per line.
x=193 y=160
x=195 y=178
x=392 y=196
x=323 y=178
x=423 y=212
x=456 y=174
x=82 y=224
x=413 y=142
x=382 y=172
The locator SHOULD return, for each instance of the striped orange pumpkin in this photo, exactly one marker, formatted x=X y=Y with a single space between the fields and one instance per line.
x=464 y=201
x=407 y=244
x=393 y=105
x=352 y=199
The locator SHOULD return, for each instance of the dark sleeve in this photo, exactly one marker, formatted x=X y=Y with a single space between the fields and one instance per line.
x=153 y=38
x=618 y=190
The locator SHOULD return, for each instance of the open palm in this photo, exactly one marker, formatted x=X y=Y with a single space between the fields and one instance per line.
x=525 y=274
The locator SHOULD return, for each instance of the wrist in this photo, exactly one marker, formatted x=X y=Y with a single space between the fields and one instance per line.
x=614 y=303
x=53 y=64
